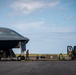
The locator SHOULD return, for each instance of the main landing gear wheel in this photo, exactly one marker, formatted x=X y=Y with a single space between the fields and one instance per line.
x=19 y=58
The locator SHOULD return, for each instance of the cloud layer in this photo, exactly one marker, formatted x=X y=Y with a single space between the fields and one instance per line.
x=39 y=28
x=26 y=7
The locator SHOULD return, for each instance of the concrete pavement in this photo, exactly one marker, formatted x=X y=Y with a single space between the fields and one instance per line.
x=37 y=67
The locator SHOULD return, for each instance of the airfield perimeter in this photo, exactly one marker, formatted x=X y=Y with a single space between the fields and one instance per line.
x=37 y=67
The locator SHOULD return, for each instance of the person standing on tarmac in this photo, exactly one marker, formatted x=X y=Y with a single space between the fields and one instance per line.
x=37 y=57
x=27 y=55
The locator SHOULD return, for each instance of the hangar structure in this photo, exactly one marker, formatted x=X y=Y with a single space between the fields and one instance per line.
x=10 y=39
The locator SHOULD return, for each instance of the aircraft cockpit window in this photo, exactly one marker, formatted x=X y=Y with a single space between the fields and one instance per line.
x=0 y=32
x=12 y=33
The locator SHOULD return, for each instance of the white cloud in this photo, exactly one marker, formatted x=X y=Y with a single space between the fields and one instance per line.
x=26 y=7
x=28 y=27
x=40 y=27
x=53 y=4
x=62 y=29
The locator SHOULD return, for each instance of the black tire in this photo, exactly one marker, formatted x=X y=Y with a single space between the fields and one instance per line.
x=22 y=57
x=19 y=58
x=0 y=58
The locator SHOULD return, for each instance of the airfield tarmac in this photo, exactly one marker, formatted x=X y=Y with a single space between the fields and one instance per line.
x=37 y=67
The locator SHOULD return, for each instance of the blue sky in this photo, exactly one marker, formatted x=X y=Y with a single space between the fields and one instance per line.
x=49 y=24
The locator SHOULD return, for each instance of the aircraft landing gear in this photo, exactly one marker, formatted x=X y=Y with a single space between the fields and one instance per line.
x=22 y=46
x=19 y=58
